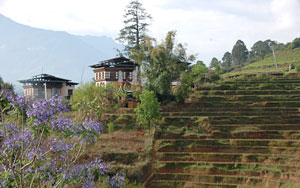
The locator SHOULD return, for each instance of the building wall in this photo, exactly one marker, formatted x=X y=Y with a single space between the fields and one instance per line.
x=65 y=88
x=38 y=91
x=104 y=75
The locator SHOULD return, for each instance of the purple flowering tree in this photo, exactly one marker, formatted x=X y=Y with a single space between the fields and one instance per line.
x=41 y=147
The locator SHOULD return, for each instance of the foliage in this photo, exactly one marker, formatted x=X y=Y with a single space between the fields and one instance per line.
x=147 y=110
x=215 y=66
x=261 y=48
x=199 y=73
x=4 y=107
x=185 y=87
x=93 y=101
x=295 y=44
x=111 y=127
x=239 y=53
x=284 y=59
x=134 y=31
x=31 y=157
x=162 y=64
x=226 y=63
x=4 y=85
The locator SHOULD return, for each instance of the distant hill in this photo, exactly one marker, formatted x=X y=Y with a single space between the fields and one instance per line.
x=26 y=51
x=284 y=59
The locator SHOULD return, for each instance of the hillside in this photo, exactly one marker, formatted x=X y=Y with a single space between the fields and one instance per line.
x=239 y=134
x=26 y=51
x=284 y=59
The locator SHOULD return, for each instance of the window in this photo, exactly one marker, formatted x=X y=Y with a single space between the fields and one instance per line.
x=117 y=75
x=101 y=76
x=98 y=75
x=107 y=75
x=55 y=91
x=130 y=76
x=70 y=92
x=124 y=75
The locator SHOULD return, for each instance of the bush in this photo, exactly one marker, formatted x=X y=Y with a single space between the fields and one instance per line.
x=111 y=127
x=147 y=110
x=31 y=155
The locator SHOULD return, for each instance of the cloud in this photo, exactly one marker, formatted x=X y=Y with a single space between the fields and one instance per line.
x=286 y=14
x=210 y=28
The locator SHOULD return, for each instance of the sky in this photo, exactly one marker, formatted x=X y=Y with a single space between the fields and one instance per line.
x=209 y=28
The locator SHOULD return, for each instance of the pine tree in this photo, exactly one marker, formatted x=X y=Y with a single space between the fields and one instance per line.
x=134 y=31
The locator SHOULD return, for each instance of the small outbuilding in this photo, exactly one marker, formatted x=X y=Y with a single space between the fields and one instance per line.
x=44 y=86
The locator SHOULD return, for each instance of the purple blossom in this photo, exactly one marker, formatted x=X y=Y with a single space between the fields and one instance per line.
x=57 y=145
x=86 y=132
x=91 y=125
x=52 y=154
x=89 y=173
x=14 y=138
x=43 y=110
x=19 y=101
x=116 y=181
x=65 y=126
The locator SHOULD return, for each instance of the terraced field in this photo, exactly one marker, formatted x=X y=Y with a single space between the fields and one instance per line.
x=240 y=134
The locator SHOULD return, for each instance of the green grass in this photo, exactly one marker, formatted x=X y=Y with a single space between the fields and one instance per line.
x=284 y=58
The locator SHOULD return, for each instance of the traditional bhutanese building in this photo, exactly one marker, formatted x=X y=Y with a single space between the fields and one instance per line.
x=44 y=86
x=119 y=70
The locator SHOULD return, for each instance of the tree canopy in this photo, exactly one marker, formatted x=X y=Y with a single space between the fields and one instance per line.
x=239 y=53
x=261 y=48
x=162 y=63
x=226 y=61
x=136 y=22
x=295 y=44
x=147 y=110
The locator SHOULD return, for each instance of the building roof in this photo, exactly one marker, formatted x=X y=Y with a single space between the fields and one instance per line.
x=119 y=62
x=46 y=78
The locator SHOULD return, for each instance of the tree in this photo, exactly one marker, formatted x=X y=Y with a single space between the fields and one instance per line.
x=147 y=110
x=135 y=28
x=4 y=85
x=295 y=44
x=199 y=72
x=226 y=61
x=260 y=49
x=239 y=53
x=215 y=65
x=162 y=64
x=40 y=147
x=185 y=87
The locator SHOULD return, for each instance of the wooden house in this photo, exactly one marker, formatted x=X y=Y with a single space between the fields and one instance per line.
x=119 y=70
x=44 y=86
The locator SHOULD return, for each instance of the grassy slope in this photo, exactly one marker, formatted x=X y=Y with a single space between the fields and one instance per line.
x=284 y=58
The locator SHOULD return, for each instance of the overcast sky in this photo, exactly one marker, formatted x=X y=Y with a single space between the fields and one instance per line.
x=208 y=27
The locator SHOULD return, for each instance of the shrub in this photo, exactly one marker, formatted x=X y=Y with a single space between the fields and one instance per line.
x=147 y=110
x=30 y=155
x=111 y=127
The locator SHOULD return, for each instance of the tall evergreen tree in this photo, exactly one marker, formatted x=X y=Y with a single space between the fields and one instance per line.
x=226 y=61
x=239 y=53
x=134 y=31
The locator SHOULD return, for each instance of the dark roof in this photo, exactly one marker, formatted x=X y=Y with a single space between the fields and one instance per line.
x=47 y=78
x=119 y=62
